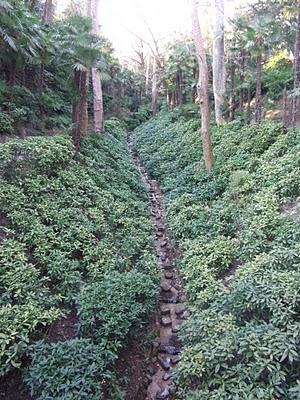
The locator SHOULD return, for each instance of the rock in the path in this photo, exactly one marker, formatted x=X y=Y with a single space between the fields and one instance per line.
x=170 y=297
x=165 y=310
x=156 y=344
x=163 y=394
x=163 y=257
x=180 y=309
x=167 y=376
x=169 y=275
x=167 y=264
x=175 y=360
x=175 y=328
x=185 y=315
x=166 y=321
x=165 y=287
x=164 y=243
x=165 y=363
x=151 y=370
x=171 y=350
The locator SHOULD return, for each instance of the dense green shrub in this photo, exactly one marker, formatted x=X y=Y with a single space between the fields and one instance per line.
x=75 y=369
x=72 y=232
x=108 y=309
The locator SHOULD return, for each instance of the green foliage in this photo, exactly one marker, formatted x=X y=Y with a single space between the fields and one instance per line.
x=277 y=75
x=6 y=122
x=104 y=305
x=75 y=369
x=240 y=254
x=37 y=64
x=75 y=235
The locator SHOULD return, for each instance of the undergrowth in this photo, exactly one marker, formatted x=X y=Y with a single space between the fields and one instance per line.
x=240 y=259
x=75 y=235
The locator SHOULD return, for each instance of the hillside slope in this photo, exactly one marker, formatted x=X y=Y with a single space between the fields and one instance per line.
x=78 y=275
x=239 y=234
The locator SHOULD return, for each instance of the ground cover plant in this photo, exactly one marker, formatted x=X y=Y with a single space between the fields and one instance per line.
x=239 y=234
x=75 y=246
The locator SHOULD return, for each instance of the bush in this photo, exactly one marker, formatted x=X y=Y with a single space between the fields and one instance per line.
x=6 y=123
x=75 y=369
x=108 y=309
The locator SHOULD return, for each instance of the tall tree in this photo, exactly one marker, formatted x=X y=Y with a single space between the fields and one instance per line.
x=202 y=88
x=258 y=98
x=296 y=87
x=48 y=11
x=218 y=60
x=98 y=114
x=154 y=87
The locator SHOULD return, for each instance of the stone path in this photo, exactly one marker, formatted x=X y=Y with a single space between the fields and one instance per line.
x=172 y=310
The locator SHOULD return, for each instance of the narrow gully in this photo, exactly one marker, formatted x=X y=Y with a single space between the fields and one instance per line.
x=172 y=310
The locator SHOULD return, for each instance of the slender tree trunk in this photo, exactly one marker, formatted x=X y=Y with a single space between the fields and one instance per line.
x=249 y=104
x=48 y=12
x=242 y=79
x=194 y=89
x=295 y=101
x=202 y=89
x=218 y=61
x=147 y=75
x=232 y=91
x=79 y=108
x=154 y=88
x=284 y=107
x=92 y=9
x=48 y=15
x=258 y=99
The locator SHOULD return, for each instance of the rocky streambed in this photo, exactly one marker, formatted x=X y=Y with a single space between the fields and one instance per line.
x=172 y=310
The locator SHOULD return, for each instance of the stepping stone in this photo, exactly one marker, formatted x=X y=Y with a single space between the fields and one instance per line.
x=180 y=309
x=185 y=315
x=175 y=329
x=169 y=298
x=151 y=370
x=169 y=275
x=167 y=376
x=171 y=350
x=164 y=243
x=165 y=287
x=175 y=359
x=165 y=310
x=165 y=363
x=166 y=321
x=163 y=394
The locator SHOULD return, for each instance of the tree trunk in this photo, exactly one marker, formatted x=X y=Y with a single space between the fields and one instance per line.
x=154 y=88
x=48 y=15
x=179 y=94
x=249 y=104
x=79 y=108
x=218 y=61
x=295 y=101
x=284 y=107
x=258 y=99
x=242 y=79
x=48 y=12
x=232 y=91
x=92 y=9
x=202 y=89
x=147 y=75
